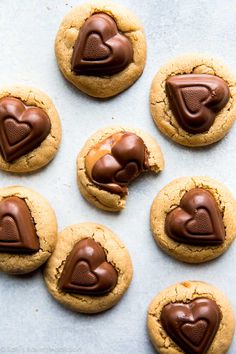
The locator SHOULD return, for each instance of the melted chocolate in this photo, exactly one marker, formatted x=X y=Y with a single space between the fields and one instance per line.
x=116 y=161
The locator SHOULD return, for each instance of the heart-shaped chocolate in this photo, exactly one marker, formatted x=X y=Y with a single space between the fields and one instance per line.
x=195 y=332
x=193 y=325
x=197 y=220
x=195 y=100
x=87 y=271
x=94 y=41
x=82 y=275
x=22 y=128
x=116 y=161
x=100 y=49
x=17 y=230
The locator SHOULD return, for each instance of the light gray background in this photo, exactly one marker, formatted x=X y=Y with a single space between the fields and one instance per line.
x=30 y=320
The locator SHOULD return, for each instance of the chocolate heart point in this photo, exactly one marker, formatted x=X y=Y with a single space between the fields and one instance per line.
x=197 y=220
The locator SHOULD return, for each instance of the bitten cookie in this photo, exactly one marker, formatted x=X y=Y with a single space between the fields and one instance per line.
x=193 y=100
x=194 y=219
x=28 y=230
x=192 y=318
x=101 y=48
x=30 y=129
x=110 y=159
x=90 y=269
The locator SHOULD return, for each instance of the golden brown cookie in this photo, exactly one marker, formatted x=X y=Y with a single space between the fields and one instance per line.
x=101 y=48
x=110 y=159
x=193 y=100
x=30 y=129
x=193 y=219
x=28 y=230
x=191 y=317
x=90 y=269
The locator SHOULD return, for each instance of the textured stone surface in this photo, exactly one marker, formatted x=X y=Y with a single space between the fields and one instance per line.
x=27 y=31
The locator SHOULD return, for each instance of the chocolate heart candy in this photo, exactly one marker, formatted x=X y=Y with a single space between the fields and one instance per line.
x=193 y=325
x=116 y=161
x=22 y=128
x=17 y=230
x=87 y=271
x=195 y=100
x=197 y=220
x=100 y=49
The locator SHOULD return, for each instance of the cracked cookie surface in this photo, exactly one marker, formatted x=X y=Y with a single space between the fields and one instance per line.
x=128 y=25
x=186 y=292
x=99 y=197
x=116 y=254
x=169 y=198
x=164 y=116
x=45 y=152
x=45 y=224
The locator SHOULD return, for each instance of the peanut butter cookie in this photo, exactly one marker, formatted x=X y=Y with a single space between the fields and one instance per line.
x=30 y=129
x=101 y=48
x=194 y=219
x=193 y=100
x=191 y=317
x=90 y=269
x=28 y=230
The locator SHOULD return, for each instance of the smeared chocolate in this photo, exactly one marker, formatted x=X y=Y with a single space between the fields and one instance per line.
x=22 y=128
x=192 y=326
x=116 y=161
x=196 y=99
x=17 y=230
x=87 y=271
x=100 y=49
x=197 y=220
